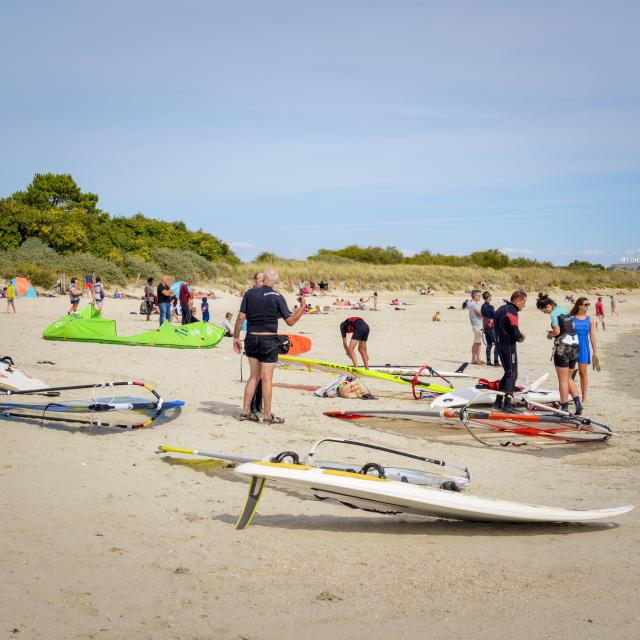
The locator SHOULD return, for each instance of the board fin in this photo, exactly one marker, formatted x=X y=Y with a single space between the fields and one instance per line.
x=462 y=367
x=253 y=498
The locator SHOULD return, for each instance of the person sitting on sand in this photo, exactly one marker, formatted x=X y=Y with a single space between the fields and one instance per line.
x=226 y=325
x=436 y=317
x=360 y=334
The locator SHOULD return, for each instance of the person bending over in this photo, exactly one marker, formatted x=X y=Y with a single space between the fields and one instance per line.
x=360 y=334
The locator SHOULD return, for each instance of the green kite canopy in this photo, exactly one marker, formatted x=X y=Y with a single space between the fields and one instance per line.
x=90 y=326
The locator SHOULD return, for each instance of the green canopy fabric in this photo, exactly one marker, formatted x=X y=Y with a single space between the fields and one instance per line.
x=90 y=326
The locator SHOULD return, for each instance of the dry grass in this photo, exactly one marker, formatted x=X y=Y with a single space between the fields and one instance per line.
x=354 y=276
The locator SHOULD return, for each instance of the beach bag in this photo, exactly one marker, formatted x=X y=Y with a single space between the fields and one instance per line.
x=353 y=389
x=284 y=344
x=331 y=390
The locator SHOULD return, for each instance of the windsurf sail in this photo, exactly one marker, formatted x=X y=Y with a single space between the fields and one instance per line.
x=42 y=412
x=553 y=426
x=90 y=326
x=307 y=363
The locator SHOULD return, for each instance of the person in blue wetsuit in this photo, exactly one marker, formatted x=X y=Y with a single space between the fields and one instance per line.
x=565 y=350
x=586 y=331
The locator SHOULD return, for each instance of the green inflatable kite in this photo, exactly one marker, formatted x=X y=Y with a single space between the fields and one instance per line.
x=90 y=326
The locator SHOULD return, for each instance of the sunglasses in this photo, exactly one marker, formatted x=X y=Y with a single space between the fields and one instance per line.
x=586 y=304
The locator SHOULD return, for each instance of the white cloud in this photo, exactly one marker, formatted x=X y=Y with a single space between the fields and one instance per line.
x=593 y=252
x=513 y=251
x=240 y=245
x=408 y=252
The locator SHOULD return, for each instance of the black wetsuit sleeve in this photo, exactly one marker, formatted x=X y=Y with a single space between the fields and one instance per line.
x=512 y=319
x=283 y=309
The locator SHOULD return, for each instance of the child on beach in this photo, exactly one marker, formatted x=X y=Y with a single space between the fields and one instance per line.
x=10 y=293
x=204 y=308
x=226 y=325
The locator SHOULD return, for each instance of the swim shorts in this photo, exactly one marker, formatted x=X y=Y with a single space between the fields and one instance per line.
x=477 y=335
x=360 y=331
x=565 y=354
x=262 y=348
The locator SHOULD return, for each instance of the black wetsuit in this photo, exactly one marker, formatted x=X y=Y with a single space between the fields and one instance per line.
x=488 y=319
x=356 y=326
x=508 y=335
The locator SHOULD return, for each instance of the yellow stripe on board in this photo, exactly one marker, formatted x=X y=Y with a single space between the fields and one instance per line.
x=349 y=474
x=284 y=465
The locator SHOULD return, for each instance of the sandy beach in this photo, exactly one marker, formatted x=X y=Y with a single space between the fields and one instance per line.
x=102 y=538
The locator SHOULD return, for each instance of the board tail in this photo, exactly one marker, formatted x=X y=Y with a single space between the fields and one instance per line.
x=253 y=498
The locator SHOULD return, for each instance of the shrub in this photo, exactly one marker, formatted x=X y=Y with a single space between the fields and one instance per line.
x=81 y=263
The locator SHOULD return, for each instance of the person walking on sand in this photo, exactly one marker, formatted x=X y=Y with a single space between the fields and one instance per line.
x=565 y=350
x=586 y=330
x=613 y=307
x=600 y=313
x=508 y=334
x=10 y=292
x=164 y=295
x=185 y=297
x=475 y=318
x=74 y=296
x=488 y=318
x=149 y=297
x=262 y=307
x=359 y=331
x=98 y=294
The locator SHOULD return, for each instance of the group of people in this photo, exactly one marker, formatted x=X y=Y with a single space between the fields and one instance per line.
x=572 y=331
x=167 y=303
x=95 y=291
x=261 y=308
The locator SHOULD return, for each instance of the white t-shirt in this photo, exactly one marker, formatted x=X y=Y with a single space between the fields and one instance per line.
x=474 y=314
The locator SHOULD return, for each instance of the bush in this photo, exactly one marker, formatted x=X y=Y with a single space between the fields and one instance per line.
x=135 y=266
x=81 y=263
x=183 y=264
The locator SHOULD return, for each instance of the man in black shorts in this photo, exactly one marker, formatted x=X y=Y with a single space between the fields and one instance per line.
x=262 y=307
x=360 y=334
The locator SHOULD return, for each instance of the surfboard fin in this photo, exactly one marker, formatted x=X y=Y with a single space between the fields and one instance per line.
x=462 y=367
x=253 y=498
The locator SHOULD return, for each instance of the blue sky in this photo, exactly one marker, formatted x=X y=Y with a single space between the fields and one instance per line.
x=290 y=126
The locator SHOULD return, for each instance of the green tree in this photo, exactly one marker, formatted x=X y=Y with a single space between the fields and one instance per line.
x=56 y=190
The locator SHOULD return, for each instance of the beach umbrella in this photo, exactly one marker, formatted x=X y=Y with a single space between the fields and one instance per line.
x=23 y=288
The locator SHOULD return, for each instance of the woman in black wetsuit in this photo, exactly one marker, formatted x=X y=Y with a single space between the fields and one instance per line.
x=360 y=334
